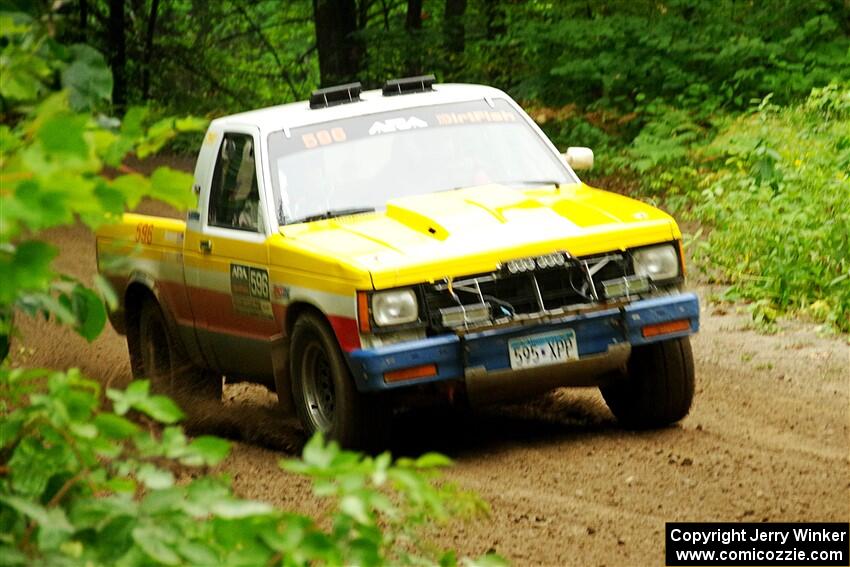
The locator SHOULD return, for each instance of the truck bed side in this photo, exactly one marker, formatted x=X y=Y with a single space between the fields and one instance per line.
x=145 y=251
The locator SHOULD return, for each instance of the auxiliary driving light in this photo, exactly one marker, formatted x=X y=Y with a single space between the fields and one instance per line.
x=466 y=315
x=552 y=260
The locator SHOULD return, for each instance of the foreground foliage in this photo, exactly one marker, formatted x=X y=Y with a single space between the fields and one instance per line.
x=82 y=485
x=55 y=146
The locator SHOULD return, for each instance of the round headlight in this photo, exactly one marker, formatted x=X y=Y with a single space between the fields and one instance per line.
x=657 y=262
x=395 y=307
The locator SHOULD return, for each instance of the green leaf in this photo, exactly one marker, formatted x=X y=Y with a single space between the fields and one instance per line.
x=132 y=123
x=173 y=187
x=197 y=553
x=212 y=450
x=111 y=202
x=107 y=293
x=62 y=136
x=27 y=268
x=133 y=187
x=155 y=478
x=29 y=509
x=161 y=408
x=318 y=454
x=54 y=530
x=115 y=427
x=432 y=460
x=84 y=430
x=88 y=78
x=89 y=311
x=191 y=124
x=33 y=465
x=124 y=400
x=355 y=506
x=150 y=540
x=489 y=560
x=235 y=509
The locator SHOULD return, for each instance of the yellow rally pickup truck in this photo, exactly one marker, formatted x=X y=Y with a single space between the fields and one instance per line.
x=364 y=251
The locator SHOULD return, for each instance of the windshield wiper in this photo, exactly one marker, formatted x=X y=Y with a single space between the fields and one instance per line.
x=533 y=182
x=333 y=213
x=522 y=182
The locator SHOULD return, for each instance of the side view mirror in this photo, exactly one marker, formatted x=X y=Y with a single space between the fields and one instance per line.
x=579 y=158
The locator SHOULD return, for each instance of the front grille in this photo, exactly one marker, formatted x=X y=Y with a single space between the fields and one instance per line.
x=537 y=291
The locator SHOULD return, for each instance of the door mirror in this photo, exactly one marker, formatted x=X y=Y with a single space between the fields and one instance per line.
x=579 y=158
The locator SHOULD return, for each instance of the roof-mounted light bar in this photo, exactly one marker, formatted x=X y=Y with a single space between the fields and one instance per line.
x=333 y=96
x=408 y=85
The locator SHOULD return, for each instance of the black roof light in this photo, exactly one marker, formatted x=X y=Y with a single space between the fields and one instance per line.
x=408 y=85
x=333 y=96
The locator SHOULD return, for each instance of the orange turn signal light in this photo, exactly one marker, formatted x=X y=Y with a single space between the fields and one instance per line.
x=363 y=312
x=411 y=373
x=666 y=328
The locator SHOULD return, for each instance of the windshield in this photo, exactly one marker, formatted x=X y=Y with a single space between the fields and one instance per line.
x=360 y=163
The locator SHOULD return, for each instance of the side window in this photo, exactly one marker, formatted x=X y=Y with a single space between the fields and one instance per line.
x=234 y=195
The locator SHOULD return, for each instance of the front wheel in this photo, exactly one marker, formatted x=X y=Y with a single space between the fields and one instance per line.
x=659 y=386
x=324 y=393
x=163 y=361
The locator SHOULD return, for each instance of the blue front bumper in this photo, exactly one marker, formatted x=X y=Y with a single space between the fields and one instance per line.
x=488 y=350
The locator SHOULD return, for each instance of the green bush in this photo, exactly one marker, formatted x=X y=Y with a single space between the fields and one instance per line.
x=702 y=56
x=778 y=208
x=770 y=188
x=81 y=485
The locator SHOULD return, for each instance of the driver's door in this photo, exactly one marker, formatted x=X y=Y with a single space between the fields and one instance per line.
x=226 y=259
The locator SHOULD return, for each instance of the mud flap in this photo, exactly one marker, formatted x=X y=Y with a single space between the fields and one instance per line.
x=282 y=381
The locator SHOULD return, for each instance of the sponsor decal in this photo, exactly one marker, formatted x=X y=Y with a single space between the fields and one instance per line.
x=396 y=125
x=475 y=117
x=173 y=237
x=323 y=138
x=249 y=289
x=281 y=292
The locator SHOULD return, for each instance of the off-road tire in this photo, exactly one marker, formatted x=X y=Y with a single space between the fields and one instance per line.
x=325 y=396
x=163 y=360
x=658 y=388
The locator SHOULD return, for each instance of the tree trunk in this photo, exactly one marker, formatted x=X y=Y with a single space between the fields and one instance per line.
x=146 y=64
x=340 y=52
x=414 y=15
x=84 y=20
x=413 y=27
x=453 y=31
x=117 y=54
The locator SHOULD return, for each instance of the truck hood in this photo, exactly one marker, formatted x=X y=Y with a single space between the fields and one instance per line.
x=473 y=230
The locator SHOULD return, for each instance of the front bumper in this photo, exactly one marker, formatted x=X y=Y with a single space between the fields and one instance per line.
x=604 y=340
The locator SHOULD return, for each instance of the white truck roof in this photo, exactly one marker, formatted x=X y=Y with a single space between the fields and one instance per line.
x=296 y=114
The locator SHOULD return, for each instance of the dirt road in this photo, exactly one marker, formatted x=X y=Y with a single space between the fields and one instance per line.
x=768 y=440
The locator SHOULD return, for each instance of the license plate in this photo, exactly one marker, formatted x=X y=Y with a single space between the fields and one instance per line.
x=544 y=349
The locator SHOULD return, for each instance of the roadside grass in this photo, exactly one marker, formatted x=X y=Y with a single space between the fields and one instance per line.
x=768 y=192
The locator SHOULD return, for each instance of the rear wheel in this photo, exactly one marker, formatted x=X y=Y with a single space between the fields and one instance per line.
x=324 y=393
x=164 y=362
x=659 y=387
